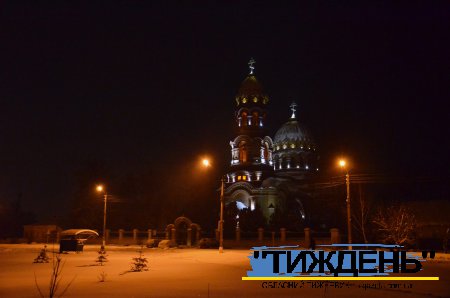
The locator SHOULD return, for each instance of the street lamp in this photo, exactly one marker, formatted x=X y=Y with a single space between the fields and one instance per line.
x=343 y=165
x=100 y=189
x=206 y=163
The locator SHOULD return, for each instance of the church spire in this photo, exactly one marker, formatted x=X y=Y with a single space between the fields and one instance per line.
x=293 y=109
x=250 y=65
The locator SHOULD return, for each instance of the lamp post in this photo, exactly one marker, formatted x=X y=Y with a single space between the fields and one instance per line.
x=342 y=164
x=105 y=199
x=206 y=163
x=271 y=208
x=221 y=216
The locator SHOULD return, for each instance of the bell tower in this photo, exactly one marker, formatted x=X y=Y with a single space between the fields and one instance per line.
x=251 y=150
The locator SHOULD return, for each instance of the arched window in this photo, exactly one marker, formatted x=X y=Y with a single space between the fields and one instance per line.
x=242 y=152
x=244 y=118
x=255 y=118
x=266 y=152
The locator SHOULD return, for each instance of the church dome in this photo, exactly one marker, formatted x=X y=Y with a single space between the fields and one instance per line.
x=250 y=87
x=251 y=93
x=293 y=146
x=292 y=133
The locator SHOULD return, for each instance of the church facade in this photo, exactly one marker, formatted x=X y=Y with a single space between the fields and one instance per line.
x=268 y=174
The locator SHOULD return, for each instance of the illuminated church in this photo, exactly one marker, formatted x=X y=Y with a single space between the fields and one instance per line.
x=265 y=173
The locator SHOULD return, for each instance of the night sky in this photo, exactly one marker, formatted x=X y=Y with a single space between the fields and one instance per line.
x=138 y=86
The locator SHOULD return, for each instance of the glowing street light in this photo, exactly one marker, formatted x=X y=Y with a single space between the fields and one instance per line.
x=343 y=165
x=206 y=163
x=100 y=189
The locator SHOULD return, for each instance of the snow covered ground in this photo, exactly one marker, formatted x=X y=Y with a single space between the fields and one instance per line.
x=175 y=273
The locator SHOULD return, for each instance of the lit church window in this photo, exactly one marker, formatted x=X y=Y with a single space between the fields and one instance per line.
x=266 y=151
x=242 y=152
x=244 y=118
x=255 y=118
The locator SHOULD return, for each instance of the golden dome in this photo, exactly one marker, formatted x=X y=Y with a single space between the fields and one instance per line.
x=251 y=92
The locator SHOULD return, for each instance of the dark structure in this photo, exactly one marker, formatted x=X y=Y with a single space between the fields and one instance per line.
x=268 y=176
x=41 y=233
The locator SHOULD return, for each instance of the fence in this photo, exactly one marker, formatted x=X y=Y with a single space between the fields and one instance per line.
x=241 y=239
x=261 y=237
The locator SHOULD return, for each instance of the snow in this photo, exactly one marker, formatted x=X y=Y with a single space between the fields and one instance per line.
x=172 y=273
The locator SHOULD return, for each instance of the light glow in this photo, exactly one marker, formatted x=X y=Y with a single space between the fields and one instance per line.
x=206 y=163
x=240 y=206
x=99 y=188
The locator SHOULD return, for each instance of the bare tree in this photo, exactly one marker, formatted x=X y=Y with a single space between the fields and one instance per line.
x=55 y=279
x=396 y=225
x=362 y=214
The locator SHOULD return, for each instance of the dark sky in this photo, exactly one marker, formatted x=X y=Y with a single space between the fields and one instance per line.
x=135 y=84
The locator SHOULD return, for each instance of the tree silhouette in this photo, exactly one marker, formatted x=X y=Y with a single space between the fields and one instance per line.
x=395 y=225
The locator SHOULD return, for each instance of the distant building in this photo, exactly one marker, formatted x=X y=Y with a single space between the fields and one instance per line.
x=267 y=174
x=41 y=233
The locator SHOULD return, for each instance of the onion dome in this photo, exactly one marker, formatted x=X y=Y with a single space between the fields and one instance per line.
x=251 y=91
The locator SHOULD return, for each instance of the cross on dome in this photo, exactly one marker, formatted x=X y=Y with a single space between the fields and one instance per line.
x=250 y=65
x=293 y=109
